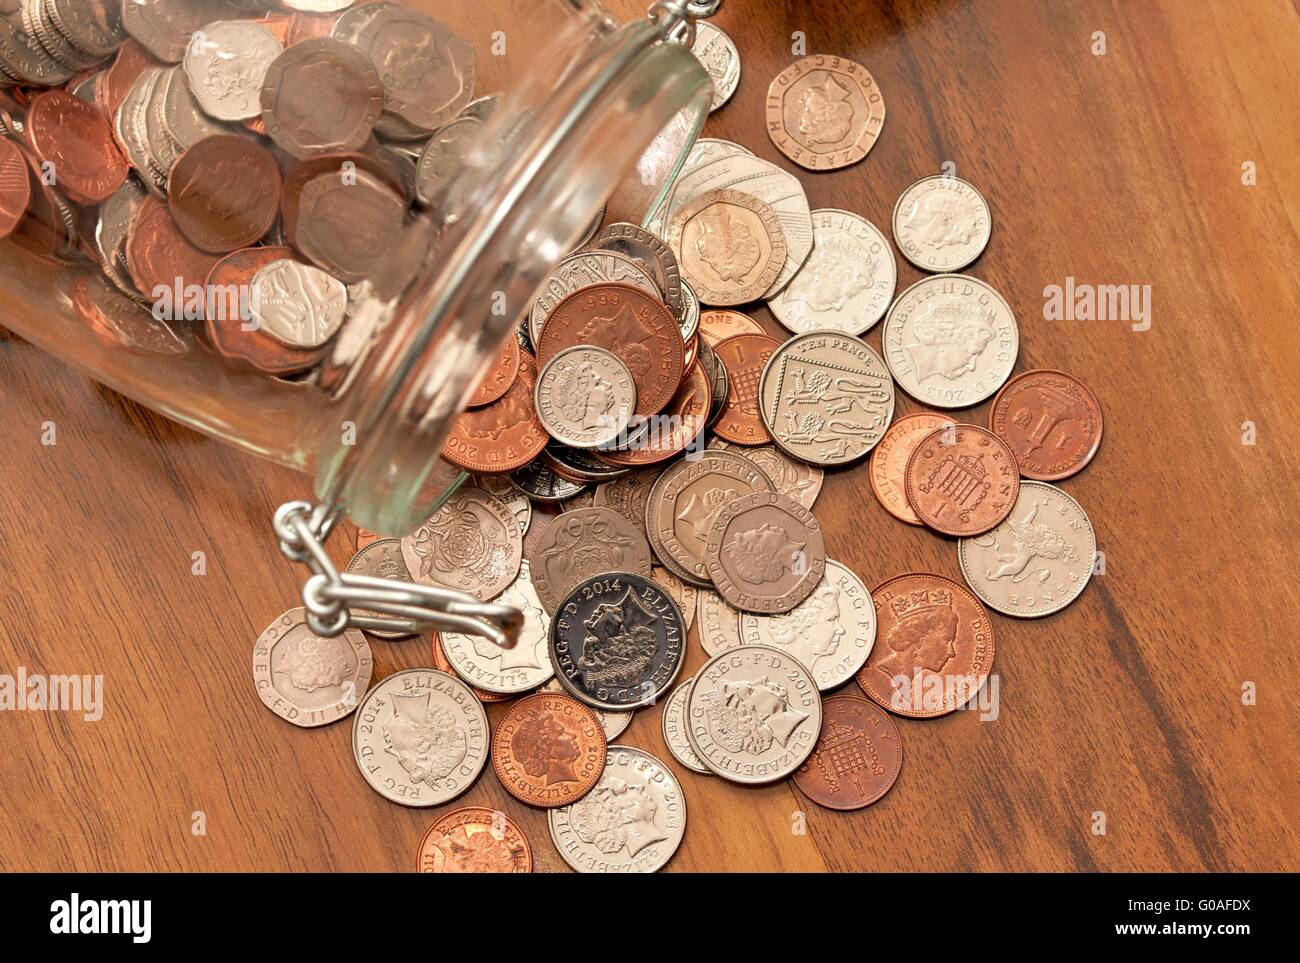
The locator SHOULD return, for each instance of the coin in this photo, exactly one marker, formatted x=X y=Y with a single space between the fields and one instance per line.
x=934 y=647
x=846 y=283
x=632 y=822
x=164 y=27
x=381 y=558
x=626 y=321
x=730 y=246
x=888 y=465
x=1050 y=420
x=800 y=481
x=487 y=666
x=499 y=487
x=1037 y=561
x=308 y=680
x=717 y=54
x=765 y=553
x=504 y=435
x=474 y=840
x=719 y=622
x=122 y=322
x=580 y=545
x=420 y=738
x=444 y=155
x=299 y=305
x=443 y=664
x=745 y=356
x=613 y=724
x=753 y=714
x=582 y=270
x=652 y=255
x=471 y=543
x=499 y=377
x=679 y=426
x=224 y=193
x=73 y=138
x=537 y=481
x=231 y=325
x=226 y=65
x=347 y=225
x=548 y=750
x=857 y=756
x=721 y=324
x=628 y=495
x=320 y=95
x=685 y=501
x=15 y=187
x=824 y=112
x=673 y=724
x=580 y=465
x=683 y=593
x=942 y=223
x=159 y=256
x=826 y=398
x=950 y=340
x=961 y=480
x=617 y=641
x=831 y=632
x=585 y=396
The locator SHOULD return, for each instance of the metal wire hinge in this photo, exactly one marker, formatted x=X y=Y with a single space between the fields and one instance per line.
x=676 y=18
x=337 y=600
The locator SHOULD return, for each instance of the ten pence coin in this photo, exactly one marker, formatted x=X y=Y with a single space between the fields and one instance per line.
x=306 y=679
x=474 y=840
x=857 y=756
x=548 y=750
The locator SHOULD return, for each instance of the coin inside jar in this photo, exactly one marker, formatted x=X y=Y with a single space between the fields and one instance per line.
x=765 y=553
x=226 y=66
x=321 y=95
x=224 y=193
x=585 y=396
x=548 y=750
x=299 y=305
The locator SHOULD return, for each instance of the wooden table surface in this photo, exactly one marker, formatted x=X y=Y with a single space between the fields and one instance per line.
x=1122 y=168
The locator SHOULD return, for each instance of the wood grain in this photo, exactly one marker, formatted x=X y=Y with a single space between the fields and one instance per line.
x=1122 y=168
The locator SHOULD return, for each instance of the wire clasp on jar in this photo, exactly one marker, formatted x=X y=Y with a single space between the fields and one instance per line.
x=676 y=18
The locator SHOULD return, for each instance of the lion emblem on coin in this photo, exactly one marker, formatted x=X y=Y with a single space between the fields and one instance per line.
x=424 y=738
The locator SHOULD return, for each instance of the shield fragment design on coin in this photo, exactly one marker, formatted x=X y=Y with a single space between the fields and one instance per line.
x=297 y=304
x=472 y=543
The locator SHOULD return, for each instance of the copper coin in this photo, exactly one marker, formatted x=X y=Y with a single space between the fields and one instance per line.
x=635 y=326
x=548 y=750
x=962 y=480
x=321 y=95
x=717 y=326
x=115 y=82
x=673 y=429
x=856 y=758
x=15 y=187
x=341 y=165
x=364 y=538
x=474 y=839
x=224 y=192
x=73 y=137
x=229 y=320
x=582 y=544
x=443 y=664
x=765 y=553
x=1050 y=420
x=121 y=322
x=159 y=256
x=730 y=246
x=504 y=435
x=744 y=355
x=824 y=112
x=498 y=379
x=888 y=466
x=934 y=646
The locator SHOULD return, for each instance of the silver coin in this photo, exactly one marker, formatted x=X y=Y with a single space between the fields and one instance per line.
x=801 y=481
x=443 y=157
x=1038 y=560
x=164 y=27
x=347 y=225
x=164 y=147
x=538 y=482
x=381 y=558
x=753 y=714
x=719 y=623
x=672 y=723
x=317 y=6
x=39 y=23
x=950 y=341
x=705 y=150
x=717 y=54
x=585 y=396
x=631 y=822
x=942 y=223
x=614 y=724
x=129 y=127
x=182 y=118
x=684 y=593
x=226 y=64
x=582 y=270
x=420 y=737
x=471 y=543
x=487 y=666
x=499 y=487
x=115 y=216
x=831 y=632
x=846 y=283
x=90 y=27
x=653 y=255
x=825 y=398
x=297 y=304
x=23 y=57
x=690 y=313
x=306 y=679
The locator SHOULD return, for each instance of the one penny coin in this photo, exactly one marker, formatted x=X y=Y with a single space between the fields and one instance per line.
x=934 y=646
x=159 y=256
x=548 y=750
x=765 y=553
x=857 y=756
x=474 y=840
x=745 y=356
x=500 y=376
x=321 y=95
x=224 y=193
x=730 y=246
x=824 y=112
x=15 y=187
x=504 y=435
x=636 y=327
x=961 y=480
x=1050 y=420
x=888 y=465
x=721 y=324
x=75 y=139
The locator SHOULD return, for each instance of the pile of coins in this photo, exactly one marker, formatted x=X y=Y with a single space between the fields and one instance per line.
x=677 y=449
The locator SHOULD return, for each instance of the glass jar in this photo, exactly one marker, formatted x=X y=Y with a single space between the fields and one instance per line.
x=306 y=227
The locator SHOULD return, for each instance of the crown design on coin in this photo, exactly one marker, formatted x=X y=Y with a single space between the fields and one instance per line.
x=906 y=606
x=620 y=643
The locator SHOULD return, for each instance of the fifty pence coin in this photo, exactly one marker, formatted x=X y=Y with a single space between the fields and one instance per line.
x=765 y=553
x=753 y=714
x=380 y=558
x=1050 y=420
x=585 y=396
x=472 y=543
x=824 y=112
x=474 y=839
x=846 y=283
x=617 y=641
x=548 y=750
x=826 y=398
x=1037 y=561
x=799 y=480
x=831 y=632
x=673 y=725
x=306 y=679
x=632 y=822
x=420 y=738
x=888 y=468
x=487 y=666
x=961 y=480
x=614 y=724
x=717 y=54
x=583 y=543
x=942 y=223
x=857 y=756
x=950 y=341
